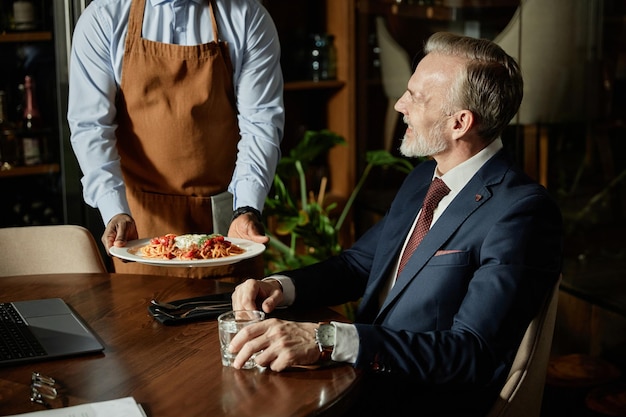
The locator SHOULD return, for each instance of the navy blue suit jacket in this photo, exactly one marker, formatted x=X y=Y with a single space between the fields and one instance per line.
x=458 y=311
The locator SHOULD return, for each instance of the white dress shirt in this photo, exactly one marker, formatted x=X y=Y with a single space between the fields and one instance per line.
x=95 y=78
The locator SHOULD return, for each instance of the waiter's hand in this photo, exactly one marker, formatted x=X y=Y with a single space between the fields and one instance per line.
x=121 y=229
x=247 y=226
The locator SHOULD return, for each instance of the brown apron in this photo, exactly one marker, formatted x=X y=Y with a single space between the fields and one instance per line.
x=177 y=139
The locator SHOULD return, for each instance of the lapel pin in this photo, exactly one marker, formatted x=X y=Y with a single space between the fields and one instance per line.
x=478 y=197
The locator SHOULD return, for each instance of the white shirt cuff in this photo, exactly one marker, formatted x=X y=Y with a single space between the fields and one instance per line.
x=346 y=343
x=289 y=290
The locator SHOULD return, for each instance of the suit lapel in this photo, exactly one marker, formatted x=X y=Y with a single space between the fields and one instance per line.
x=476 y=193
x=398 y=223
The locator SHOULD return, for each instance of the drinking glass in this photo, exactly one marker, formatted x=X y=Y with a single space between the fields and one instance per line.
x=229 y=324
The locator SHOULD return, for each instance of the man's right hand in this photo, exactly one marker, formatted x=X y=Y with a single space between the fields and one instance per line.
x=254 y=294
x=121 y=229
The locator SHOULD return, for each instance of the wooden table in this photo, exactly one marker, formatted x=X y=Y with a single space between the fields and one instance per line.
x=169 y=370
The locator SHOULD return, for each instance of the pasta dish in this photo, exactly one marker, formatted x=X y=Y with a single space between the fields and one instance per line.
x=189 y=247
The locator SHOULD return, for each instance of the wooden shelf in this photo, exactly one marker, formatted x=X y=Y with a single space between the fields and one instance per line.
x=334 y=100
x=408 y=10
x=8 y=37
x=445 y=3
x=445 y=11
x=29 y=170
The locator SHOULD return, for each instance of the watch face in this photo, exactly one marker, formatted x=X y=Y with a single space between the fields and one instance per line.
x=326 y=335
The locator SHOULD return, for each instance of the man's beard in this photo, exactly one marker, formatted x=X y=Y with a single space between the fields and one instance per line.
x=420 y=145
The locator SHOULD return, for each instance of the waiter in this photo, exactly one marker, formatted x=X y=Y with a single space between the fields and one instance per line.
x=175 y=109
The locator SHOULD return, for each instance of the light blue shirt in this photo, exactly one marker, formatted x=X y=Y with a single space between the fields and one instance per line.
x=95 y=77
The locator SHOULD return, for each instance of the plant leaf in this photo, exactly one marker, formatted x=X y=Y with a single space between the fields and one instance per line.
x=384 y=158
x=312 y=145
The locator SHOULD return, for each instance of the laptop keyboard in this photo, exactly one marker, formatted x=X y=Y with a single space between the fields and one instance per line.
x=16 y=339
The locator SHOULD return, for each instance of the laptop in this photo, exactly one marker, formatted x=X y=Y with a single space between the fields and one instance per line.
x=36 y=330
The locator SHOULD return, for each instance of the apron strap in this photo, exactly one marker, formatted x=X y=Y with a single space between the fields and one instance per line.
x=135 y=19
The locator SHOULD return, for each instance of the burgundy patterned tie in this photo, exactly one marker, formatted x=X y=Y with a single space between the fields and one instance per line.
x=437 y=190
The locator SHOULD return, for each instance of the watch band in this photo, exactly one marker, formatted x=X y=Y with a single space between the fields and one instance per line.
x=326 y=354
x=247 y=209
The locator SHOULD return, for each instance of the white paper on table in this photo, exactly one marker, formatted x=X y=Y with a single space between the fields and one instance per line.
x=122 y=407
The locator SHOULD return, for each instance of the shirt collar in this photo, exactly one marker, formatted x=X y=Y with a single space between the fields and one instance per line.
x=460 y=175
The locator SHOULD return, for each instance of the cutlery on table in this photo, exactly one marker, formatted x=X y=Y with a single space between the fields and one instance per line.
x=172 y=307
x=174 y=315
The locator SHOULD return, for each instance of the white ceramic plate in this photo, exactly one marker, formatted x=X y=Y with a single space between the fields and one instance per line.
x=252 y=249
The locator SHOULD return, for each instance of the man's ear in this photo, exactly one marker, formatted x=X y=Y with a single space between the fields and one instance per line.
x=462 y=123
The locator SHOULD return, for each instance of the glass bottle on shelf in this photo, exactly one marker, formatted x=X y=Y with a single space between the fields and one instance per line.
x=24 y=15
x=323 y=57
x=34 y=141
x=9 y=149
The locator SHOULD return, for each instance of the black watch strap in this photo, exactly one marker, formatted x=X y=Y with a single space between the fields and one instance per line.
x=247 y=209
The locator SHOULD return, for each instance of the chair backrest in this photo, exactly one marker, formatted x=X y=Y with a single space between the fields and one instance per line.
x=522 y=393
x=48 y=249
x=395 y=70
x=553 y=70
x=395 y=63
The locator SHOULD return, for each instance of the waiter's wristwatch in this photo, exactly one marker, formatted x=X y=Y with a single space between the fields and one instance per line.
x=247 y=209
x=325 y=338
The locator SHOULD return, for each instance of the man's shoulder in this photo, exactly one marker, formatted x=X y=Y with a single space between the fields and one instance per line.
x=246 y=5
x=112 y=10
x=110 y=4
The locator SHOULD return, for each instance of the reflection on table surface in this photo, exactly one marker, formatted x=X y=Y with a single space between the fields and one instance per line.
x=169 y=370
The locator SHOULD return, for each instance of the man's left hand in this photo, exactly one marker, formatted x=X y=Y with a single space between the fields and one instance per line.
x=281 y=344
